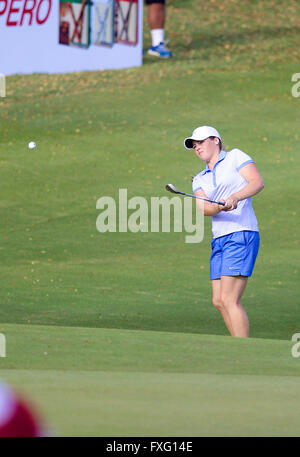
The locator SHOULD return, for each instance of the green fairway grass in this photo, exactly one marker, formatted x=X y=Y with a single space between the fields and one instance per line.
x=110 y=382
x=73 y=348
x=105 y=328
x=96 y=403
x=59 y=270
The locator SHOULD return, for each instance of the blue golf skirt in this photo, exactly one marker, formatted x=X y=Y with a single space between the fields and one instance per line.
x=234 y=254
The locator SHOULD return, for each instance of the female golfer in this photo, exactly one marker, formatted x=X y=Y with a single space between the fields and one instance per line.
x=230 y=177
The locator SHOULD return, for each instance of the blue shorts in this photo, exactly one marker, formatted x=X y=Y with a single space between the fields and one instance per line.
x=234 y=254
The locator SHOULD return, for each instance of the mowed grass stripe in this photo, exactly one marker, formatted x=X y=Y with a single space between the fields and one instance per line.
x=97 y=403
x=72 y=348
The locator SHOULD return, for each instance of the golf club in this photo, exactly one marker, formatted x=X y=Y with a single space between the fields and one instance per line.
x=173 y=189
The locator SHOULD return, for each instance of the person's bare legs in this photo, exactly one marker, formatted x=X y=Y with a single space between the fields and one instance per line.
x=217 y=302
x=227 y=294
x=156 y=21
x=232 y=288
x=156 y=16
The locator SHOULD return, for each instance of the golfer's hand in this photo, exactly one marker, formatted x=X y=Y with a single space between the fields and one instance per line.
x=230 y=203
x=221 y=207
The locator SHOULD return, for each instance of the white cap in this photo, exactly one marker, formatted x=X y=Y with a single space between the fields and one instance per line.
x=201 y=133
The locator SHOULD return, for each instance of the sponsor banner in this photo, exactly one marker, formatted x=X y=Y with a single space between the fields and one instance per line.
x=59 y=36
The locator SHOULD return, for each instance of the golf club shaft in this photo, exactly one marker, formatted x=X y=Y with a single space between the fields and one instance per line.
x=201 y=198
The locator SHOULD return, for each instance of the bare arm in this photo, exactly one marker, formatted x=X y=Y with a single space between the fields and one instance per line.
x=208 y=209
x=254 y=185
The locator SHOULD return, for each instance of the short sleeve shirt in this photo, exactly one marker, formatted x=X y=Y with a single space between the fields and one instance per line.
x=220 y=183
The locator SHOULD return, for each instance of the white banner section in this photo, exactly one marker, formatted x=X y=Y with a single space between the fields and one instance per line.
x=58 y=36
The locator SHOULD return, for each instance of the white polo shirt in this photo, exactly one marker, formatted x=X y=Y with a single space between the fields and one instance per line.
x=222 y=182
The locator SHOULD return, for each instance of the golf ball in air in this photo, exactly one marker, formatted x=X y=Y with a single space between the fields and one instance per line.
x=31 y=145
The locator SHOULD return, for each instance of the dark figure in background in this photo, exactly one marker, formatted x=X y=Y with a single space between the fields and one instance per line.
x=156 y=21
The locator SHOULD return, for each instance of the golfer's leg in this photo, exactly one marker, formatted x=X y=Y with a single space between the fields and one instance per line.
x=232 y=288
x=217 y=302
x=156 y=16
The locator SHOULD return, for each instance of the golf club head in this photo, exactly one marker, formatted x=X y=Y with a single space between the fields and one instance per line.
x=172 y=188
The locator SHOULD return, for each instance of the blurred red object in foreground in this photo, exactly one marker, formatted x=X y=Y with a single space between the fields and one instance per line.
x=18 y=418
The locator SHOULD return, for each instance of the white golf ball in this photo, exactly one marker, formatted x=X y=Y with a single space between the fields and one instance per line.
x=31 y=145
